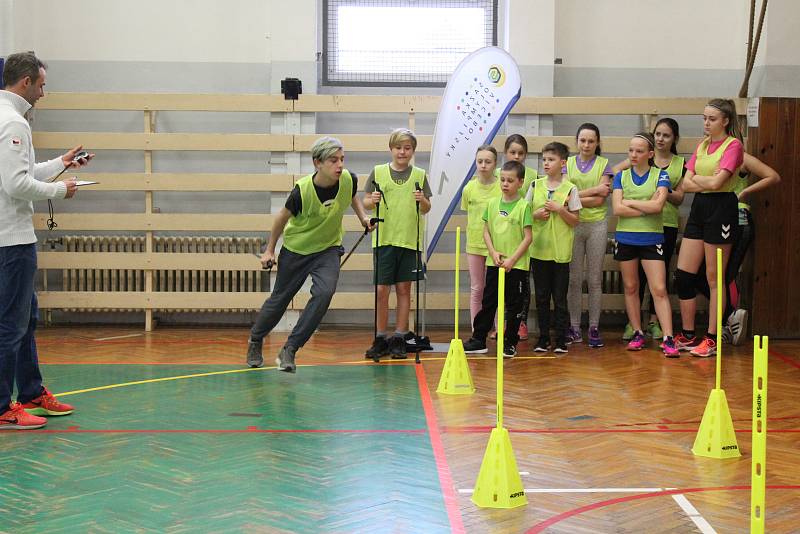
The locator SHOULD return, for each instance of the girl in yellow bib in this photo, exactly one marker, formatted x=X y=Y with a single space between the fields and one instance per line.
x=590 y=172
x=711 y=174
x=667 y=135
x=474 y=198
x=638 y=200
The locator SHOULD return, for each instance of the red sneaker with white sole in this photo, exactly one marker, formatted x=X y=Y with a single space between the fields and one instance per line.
x=16 y=418
x=47 y=404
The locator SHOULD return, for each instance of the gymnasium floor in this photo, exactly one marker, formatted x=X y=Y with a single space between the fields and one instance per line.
x=173 y=434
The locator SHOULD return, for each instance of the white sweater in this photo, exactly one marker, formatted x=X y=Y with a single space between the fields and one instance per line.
x=21 y=177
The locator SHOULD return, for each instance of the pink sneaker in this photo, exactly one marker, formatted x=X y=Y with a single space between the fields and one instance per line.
x=637 y=342
x=16 y=418
x=670 y=350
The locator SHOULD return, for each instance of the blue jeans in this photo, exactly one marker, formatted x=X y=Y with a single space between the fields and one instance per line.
x=19 y=312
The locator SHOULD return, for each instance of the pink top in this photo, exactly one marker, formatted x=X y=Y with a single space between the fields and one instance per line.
x=731 y=160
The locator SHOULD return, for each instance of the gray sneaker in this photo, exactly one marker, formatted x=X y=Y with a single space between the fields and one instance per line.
x=285 y=359
x=254 y=357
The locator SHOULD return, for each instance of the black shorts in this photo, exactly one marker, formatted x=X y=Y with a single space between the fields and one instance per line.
x=395 y=264
x=623 y=252
x=713 y=218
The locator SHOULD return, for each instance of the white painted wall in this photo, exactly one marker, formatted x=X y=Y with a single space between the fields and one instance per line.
x=780 y=39
x=6 y=28
x=530 y=31
x=694 y=34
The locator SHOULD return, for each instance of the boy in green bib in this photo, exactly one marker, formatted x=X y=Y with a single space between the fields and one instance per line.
x=507 y=233
x=555 y=207
x=397 y=188
x=311 y=224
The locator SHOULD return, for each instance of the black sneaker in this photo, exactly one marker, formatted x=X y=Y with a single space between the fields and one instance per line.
x=285 y=359
x=543 y=345
x=379 y=348
x=561 y=346
x=254 y=357
x=509 y=351
x=475 y=346
x=397 y=348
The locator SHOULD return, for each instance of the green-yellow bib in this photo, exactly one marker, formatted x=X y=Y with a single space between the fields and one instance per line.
x=507 y=231
x=648 y=223
x=585 y=181
x=675 y=171
x=318 y=226
x=400 y=218
x=474 y=199
x=706 y=163
x=553 y=238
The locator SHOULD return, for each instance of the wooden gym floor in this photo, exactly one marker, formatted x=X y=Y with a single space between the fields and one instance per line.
x=173 y=434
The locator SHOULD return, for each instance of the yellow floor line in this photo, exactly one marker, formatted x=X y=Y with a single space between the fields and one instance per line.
x=230 y=371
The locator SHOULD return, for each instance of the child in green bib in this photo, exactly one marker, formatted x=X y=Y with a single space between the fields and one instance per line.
x=397 y=188
x=507 y=233
x=638 y=199
x=516 y=149
x=474 y=198
x=667 y=135
x=555 y=206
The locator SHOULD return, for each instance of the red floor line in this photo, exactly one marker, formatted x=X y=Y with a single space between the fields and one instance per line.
x=540 y=527
x=787 y=359
x=487 y=429
x=445 y=479
x=697 y=421
x=249 y=430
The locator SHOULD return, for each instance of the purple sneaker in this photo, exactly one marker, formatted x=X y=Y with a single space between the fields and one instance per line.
x=594 y=337
x=637 y=343
x=574 y=335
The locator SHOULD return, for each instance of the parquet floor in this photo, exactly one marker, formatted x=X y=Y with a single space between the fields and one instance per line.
x=602 y=438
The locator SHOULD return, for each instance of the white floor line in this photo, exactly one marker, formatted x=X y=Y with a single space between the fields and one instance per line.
x=693 y=514
x=117 y=337
x=581 y=490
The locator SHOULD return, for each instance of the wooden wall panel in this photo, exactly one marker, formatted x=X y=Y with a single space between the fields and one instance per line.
x=775 y=286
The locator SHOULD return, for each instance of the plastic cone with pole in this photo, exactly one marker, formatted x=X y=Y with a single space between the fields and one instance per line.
x=716 y=437
x=456 y=378
x=499 y=484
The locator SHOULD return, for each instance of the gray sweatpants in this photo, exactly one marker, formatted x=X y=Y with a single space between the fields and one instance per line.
x=293 y=269
x=591 y=240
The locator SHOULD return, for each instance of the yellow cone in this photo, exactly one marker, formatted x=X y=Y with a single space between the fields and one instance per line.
x=716 y=438
x=456 y=378
x=499 y=484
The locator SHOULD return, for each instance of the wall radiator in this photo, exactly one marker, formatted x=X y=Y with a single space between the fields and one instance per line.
x=165 y=280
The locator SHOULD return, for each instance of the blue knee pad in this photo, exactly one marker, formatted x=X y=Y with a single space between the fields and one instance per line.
x=685 y=284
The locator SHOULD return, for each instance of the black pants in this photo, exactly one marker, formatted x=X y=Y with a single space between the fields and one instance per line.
x=515 y=283
x=551 y=281
x=526 y=298
x=744 y=238
x=670 y=238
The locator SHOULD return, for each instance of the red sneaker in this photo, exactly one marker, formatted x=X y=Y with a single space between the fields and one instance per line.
x=16 y=418
x=47 y=404
x=708 y=347
x=686 y=343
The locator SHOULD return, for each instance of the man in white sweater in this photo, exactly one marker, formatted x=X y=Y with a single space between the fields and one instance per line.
x=22 y=181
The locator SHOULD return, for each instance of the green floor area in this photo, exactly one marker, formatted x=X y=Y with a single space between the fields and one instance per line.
x=195 y=481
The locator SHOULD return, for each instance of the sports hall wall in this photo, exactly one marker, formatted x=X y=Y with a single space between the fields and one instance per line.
x=609 y=48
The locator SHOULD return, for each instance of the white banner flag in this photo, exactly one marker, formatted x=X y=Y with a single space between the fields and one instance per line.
x=477 y=99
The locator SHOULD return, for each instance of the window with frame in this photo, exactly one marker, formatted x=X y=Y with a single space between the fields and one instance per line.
x=402 y=42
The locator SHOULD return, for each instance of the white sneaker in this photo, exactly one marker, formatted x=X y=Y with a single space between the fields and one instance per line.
x=737 y=323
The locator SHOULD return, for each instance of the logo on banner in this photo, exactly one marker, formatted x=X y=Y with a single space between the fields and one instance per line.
x=497 y=76
x=475 y=110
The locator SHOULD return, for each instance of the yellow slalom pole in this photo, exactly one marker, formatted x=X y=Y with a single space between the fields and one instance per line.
x=720 y=291
x=758 y=478
x=458 y=256
x=501 y=313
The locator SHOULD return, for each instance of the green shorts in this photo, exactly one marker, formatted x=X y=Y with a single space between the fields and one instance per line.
x=395 y=264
